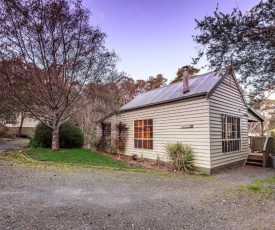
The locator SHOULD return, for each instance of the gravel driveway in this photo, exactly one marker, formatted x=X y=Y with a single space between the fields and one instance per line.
x=47 y=197
x=14 y=144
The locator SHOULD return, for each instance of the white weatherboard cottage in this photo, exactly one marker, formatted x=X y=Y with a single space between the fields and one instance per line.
x=28 y=125
x=207 y=112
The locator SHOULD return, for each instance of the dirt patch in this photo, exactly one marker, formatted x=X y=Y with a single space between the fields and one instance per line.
x=146 y=163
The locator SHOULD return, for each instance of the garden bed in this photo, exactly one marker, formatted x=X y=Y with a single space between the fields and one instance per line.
x=146 y=163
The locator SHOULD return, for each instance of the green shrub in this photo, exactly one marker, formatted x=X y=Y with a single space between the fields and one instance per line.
x=94 y=144
x=35 y=144
x=181 y=155
x=110 y=147
x=70 y=136
x=43 y=134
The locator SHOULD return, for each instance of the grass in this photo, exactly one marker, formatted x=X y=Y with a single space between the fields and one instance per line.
x=266 y=180
x=198 y=174
x=260 y=188
x=255 y=187
x=77 y=156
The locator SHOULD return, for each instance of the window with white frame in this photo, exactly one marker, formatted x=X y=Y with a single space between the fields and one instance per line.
x=11 y=119
x=231 y=134
x=143 y=134
x=107 y=130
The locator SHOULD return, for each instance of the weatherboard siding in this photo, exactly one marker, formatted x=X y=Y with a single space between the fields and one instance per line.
x=168 y=120
x=227 y=100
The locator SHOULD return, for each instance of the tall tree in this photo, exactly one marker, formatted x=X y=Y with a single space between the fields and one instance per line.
x=101 y=99
x=155 y=82
x=266 y=108
x=126 y=87
x=56 y=52
x=191 y=70
x=243 y=43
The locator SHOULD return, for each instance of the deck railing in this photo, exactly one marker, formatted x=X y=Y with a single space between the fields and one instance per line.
x=264 y=145
x=257 y=143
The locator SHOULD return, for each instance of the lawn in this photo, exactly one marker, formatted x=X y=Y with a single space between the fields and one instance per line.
x=77 y=156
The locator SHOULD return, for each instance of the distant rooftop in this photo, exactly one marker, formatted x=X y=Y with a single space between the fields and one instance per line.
x=198 y=85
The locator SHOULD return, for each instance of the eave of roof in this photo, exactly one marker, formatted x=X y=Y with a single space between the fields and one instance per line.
x=256 y=113
x=106 y=117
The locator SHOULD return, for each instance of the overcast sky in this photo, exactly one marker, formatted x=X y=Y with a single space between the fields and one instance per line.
x=155 y=36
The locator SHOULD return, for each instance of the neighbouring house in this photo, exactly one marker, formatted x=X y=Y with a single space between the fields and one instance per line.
x=13 y=124
x=207 y=112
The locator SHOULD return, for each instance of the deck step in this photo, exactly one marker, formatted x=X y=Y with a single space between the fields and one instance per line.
x=254 y=162
x=255 y=157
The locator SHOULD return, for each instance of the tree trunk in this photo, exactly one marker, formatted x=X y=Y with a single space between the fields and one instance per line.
x=88 y=140
x=55 y=137
x=22 y=118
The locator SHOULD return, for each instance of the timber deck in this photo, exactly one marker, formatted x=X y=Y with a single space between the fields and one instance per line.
x=261 y=148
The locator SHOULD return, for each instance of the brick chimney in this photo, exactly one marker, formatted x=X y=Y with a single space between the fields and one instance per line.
x=185 y=80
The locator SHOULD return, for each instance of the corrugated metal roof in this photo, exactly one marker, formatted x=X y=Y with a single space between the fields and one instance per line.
x=255 y=113
x=198 y=85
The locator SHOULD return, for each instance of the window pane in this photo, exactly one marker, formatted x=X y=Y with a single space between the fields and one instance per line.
x=138 y=143
x=150 y=122
x=138 y=135
x=138 y=132
x=224 y=146
x=238 y=128
x=229 y=146
x=150 y=144
x=138 y=123
x=146 y=134
x=145 y=144
x=223 y=126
